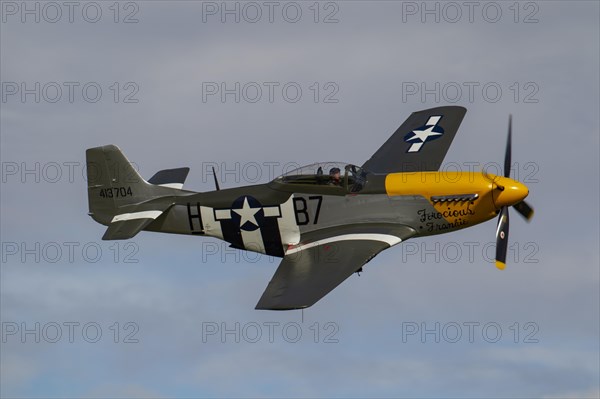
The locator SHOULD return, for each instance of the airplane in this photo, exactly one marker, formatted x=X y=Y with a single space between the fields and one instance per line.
x=325 y=220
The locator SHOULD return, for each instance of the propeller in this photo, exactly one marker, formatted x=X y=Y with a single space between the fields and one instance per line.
x=524 y=209
x=503 y=220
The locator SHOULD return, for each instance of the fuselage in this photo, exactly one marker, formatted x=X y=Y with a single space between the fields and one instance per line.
x=269 y=218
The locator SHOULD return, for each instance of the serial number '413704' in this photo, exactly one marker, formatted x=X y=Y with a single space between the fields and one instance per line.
x=116 y=192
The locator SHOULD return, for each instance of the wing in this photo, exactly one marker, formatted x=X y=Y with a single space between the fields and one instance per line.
x=420 y=143
x=311 y=270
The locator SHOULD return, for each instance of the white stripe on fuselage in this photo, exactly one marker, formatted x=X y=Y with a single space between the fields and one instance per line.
x=288 y=228
x=253 y=240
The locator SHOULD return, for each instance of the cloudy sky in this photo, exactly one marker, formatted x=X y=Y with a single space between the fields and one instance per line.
x=254 y=89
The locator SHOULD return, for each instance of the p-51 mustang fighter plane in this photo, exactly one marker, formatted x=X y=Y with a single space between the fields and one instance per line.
x=325 y=220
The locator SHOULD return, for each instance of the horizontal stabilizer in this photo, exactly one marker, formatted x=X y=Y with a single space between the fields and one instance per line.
x=173 y=178
x=127 y=225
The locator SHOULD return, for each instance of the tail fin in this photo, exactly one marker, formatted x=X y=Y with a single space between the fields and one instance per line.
x=113 y=183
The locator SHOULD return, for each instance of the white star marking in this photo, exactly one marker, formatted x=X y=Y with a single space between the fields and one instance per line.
x=247 y=213
x=423 y=134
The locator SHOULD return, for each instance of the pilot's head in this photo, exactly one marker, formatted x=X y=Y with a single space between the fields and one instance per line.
x=335 y=173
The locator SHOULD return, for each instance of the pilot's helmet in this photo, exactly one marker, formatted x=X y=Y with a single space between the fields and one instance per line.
x=333 y=171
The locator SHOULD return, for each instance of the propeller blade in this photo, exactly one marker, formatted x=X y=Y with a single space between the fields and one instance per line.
x=508 y=154
x=524 y=209
x=502 y=239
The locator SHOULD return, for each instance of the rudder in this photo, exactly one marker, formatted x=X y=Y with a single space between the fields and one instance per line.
x=113 y=182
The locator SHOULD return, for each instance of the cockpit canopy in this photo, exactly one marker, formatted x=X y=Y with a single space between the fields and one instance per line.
x=333 y=174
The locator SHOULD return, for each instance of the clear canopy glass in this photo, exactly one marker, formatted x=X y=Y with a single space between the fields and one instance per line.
x=340 y=174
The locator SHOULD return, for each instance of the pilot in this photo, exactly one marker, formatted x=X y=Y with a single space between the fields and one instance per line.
x=334 y=174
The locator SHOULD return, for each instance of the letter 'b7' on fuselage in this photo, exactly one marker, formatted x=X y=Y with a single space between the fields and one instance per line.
x=325 y=220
